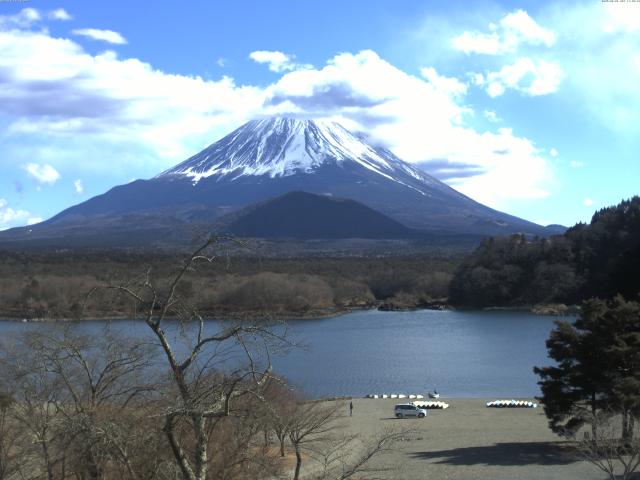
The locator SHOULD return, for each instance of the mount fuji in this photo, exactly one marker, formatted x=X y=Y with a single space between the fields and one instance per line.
x=261 y=160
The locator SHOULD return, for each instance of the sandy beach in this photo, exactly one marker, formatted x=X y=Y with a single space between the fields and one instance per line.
x=470 y=441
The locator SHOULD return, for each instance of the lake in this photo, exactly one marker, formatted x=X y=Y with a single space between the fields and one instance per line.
x=461 y=354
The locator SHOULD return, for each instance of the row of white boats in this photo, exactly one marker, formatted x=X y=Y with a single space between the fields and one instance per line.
x=442 y=405
x=420 y=402
x=431 y=405
x=512 y=404
x=394 y=395
x=402 y=395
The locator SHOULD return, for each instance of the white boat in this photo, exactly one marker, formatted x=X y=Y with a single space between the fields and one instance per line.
x=434 y=395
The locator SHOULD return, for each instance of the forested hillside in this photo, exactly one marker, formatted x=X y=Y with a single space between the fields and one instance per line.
x=53 y=284
x=599 y=259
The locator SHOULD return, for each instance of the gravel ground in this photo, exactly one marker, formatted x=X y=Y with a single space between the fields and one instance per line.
x=469 y=441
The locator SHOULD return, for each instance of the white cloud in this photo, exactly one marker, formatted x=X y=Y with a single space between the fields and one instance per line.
x=526 y=76
x=488 y=44
x=599 y=47
x=491 y=116
x=43 y=173
x=420 y=119
x=25 y=18
x=10 y=217
x=79 y=188
x=620 y=17
x=221 y=62
x=553 y=152
x=513 y=167
x=120 y=111
x=450 y=85
x=109 y=101
x=59 y=14
x=576 y=164
x=495 y=89
x=587 y=202
x=521 y=25
x=108 y=36
x=28 y=17
x=34 y=220
x=277 y=61
x=513 y=30
x=595 y=57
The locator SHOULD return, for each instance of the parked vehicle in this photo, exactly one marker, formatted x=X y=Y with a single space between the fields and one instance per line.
x=403 y=410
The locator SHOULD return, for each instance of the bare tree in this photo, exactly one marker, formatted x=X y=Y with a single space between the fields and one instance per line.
x=316 y=429
x=102 y=379
x=36 y=395
x=312 y=424
x=614 y=450
x=11 y=437
x=203 y=389
x=77 y=397
x=278 y=410
x=236 y=450
x=351 y=456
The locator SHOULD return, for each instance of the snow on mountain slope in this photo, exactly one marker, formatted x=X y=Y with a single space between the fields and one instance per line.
x=280 y=147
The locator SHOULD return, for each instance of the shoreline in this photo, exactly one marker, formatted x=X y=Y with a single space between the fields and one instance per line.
x=260 y=316
x=541 y=310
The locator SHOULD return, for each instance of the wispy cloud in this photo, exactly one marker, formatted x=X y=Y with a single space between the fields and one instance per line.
x=79 y=188
x=512 y=30
x=491 y=116
x=524 y=75
x=59 y=14
x=108 y=36
x=25 y=18
x=10 y=217
x=276 y=61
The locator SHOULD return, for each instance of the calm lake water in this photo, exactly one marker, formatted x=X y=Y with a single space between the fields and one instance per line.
x=461 y=354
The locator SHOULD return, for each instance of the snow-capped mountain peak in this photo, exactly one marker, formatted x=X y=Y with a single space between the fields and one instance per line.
x=262 y=161
x=280 y=147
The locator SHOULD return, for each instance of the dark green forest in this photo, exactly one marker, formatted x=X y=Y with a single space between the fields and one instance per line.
x=599 y=259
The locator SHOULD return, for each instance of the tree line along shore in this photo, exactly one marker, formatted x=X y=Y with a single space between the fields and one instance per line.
x=53 y=285
x=599 y=259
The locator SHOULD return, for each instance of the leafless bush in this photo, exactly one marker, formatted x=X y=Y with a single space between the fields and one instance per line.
x=281 y=292
x=609 y=451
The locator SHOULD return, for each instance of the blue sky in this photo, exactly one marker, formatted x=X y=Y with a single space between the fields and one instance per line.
x=532 y=108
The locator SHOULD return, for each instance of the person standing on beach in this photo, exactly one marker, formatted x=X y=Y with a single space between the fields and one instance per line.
x=350 y=409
